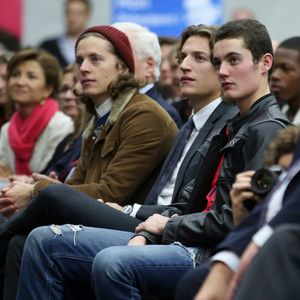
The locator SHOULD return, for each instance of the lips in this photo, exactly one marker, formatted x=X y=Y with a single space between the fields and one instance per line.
x=276 y=88
x=226 y=85
x=86 y=82
x=186 y=79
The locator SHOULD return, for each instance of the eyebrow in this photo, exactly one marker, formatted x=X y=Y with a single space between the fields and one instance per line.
x=196 y=52
x=228 y=55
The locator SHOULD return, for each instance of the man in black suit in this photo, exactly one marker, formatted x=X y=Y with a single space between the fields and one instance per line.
x=147 y=60
x=77 y=14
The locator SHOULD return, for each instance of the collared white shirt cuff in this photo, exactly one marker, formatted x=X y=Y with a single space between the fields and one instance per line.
x=135 y=209
x=261 y=236
x=228 y=258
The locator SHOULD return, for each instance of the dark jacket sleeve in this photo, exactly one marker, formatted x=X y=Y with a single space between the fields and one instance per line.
x=146 y=211
x=198 y=229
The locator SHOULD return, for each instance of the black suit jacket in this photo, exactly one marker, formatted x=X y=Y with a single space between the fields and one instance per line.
x=51 y=46
x=242 y=235
x=155 y=95
x=193 y=159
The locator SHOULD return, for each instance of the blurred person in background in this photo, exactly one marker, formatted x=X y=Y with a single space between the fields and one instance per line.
x=6 y=108
x=285 y=78
x=165 y=82
x=147 y=60
x=29 y=140
x=8 y=42
x=242 y=13
x=77 y=14
x=182 y=104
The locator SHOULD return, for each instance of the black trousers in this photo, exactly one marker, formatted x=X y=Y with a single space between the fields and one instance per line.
x=275 y=271
x=191 y=282
x=12 y=266
x=61 y=204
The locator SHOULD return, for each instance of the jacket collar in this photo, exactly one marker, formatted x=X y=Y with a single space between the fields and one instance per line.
x=118 y=106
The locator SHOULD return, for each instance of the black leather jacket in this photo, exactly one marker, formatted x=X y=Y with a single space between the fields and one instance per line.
x=248 y=137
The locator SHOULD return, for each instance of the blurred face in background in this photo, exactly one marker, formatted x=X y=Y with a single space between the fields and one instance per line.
x=165 y=67
x=77 y=16
x=285 y=78
x=27 y=83
x=2 y=83
x=68 y=101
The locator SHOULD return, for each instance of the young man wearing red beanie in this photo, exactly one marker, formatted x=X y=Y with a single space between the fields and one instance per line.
x=119 y=143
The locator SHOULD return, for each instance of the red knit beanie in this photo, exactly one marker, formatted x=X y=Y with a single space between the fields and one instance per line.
x=118 y=39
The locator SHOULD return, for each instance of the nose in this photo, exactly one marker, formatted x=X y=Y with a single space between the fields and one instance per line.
x=2 y=83
x=275 y=74
x=222 y=70
x=21 y=79
x=84 y=67
x=185 y=64
x=70 y=94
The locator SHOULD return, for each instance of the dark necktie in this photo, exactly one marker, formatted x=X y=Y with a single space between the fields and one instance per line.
x=99 y=124
x=171 y=162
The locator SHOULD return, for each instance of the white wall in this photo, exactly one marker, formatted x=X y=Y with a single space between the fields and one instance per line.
x=281 y=17
x=43 y=18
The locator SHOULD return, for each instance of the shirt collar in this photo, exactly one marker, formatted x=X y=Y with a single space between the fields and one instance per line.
x=104 y=108
x=146 y=88
x=201 y=116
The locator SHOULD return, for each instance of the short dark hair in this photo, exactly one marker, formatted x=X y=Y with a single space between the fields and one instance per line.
x=254 y=34
x=167 y=40
x=292 y=43
x=198 y=30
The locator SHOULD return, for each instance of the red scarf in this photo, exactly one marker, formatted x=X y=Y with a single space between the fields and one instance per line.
x=24 y=132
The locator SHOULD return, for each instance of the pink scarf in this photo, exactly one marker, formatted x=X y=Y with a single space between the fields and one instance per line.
x=24 y=132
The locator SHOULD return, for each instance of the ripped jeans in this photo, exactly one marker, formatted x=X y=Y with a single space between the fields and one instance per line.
x=55 y=255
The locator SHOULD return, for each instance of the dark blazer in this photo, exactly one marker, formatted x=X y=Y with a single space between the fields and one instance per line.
x=155 y=95
x=193 y=158
x=51 y=46
x=241 y=236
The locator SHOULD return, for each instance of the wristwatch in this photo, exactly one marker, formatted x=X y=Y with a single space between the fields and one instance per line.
x=127 y=209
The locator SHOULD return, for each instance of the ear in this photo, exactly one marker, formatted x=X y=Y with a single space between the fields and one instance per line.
x=122 y=68
x=150 y=65
x=266 y=62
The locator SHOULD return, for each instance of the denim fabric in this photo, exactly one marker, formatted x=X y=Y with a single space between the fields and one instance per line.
x=56 y=255
x=123 y=272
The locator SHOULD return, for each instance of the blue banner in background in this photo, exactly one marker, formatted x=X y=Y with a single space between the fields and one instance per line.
x=168 y=17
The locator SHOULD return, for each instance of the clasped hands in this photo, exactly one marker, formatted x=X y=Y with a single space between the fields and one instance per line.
x=154 y=224
x=15 y=197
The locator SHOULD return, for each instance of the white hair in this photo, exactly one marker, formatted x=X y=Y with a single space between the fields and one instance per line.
x=146 y=43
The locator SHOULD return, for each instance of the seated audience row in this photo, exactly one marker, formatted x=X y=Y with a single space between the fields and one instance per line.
x=189 y=209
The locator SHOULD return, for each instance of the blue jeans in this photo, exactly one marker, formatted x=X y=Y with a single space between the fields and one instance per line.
x=56 y=255
x=123 y=272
